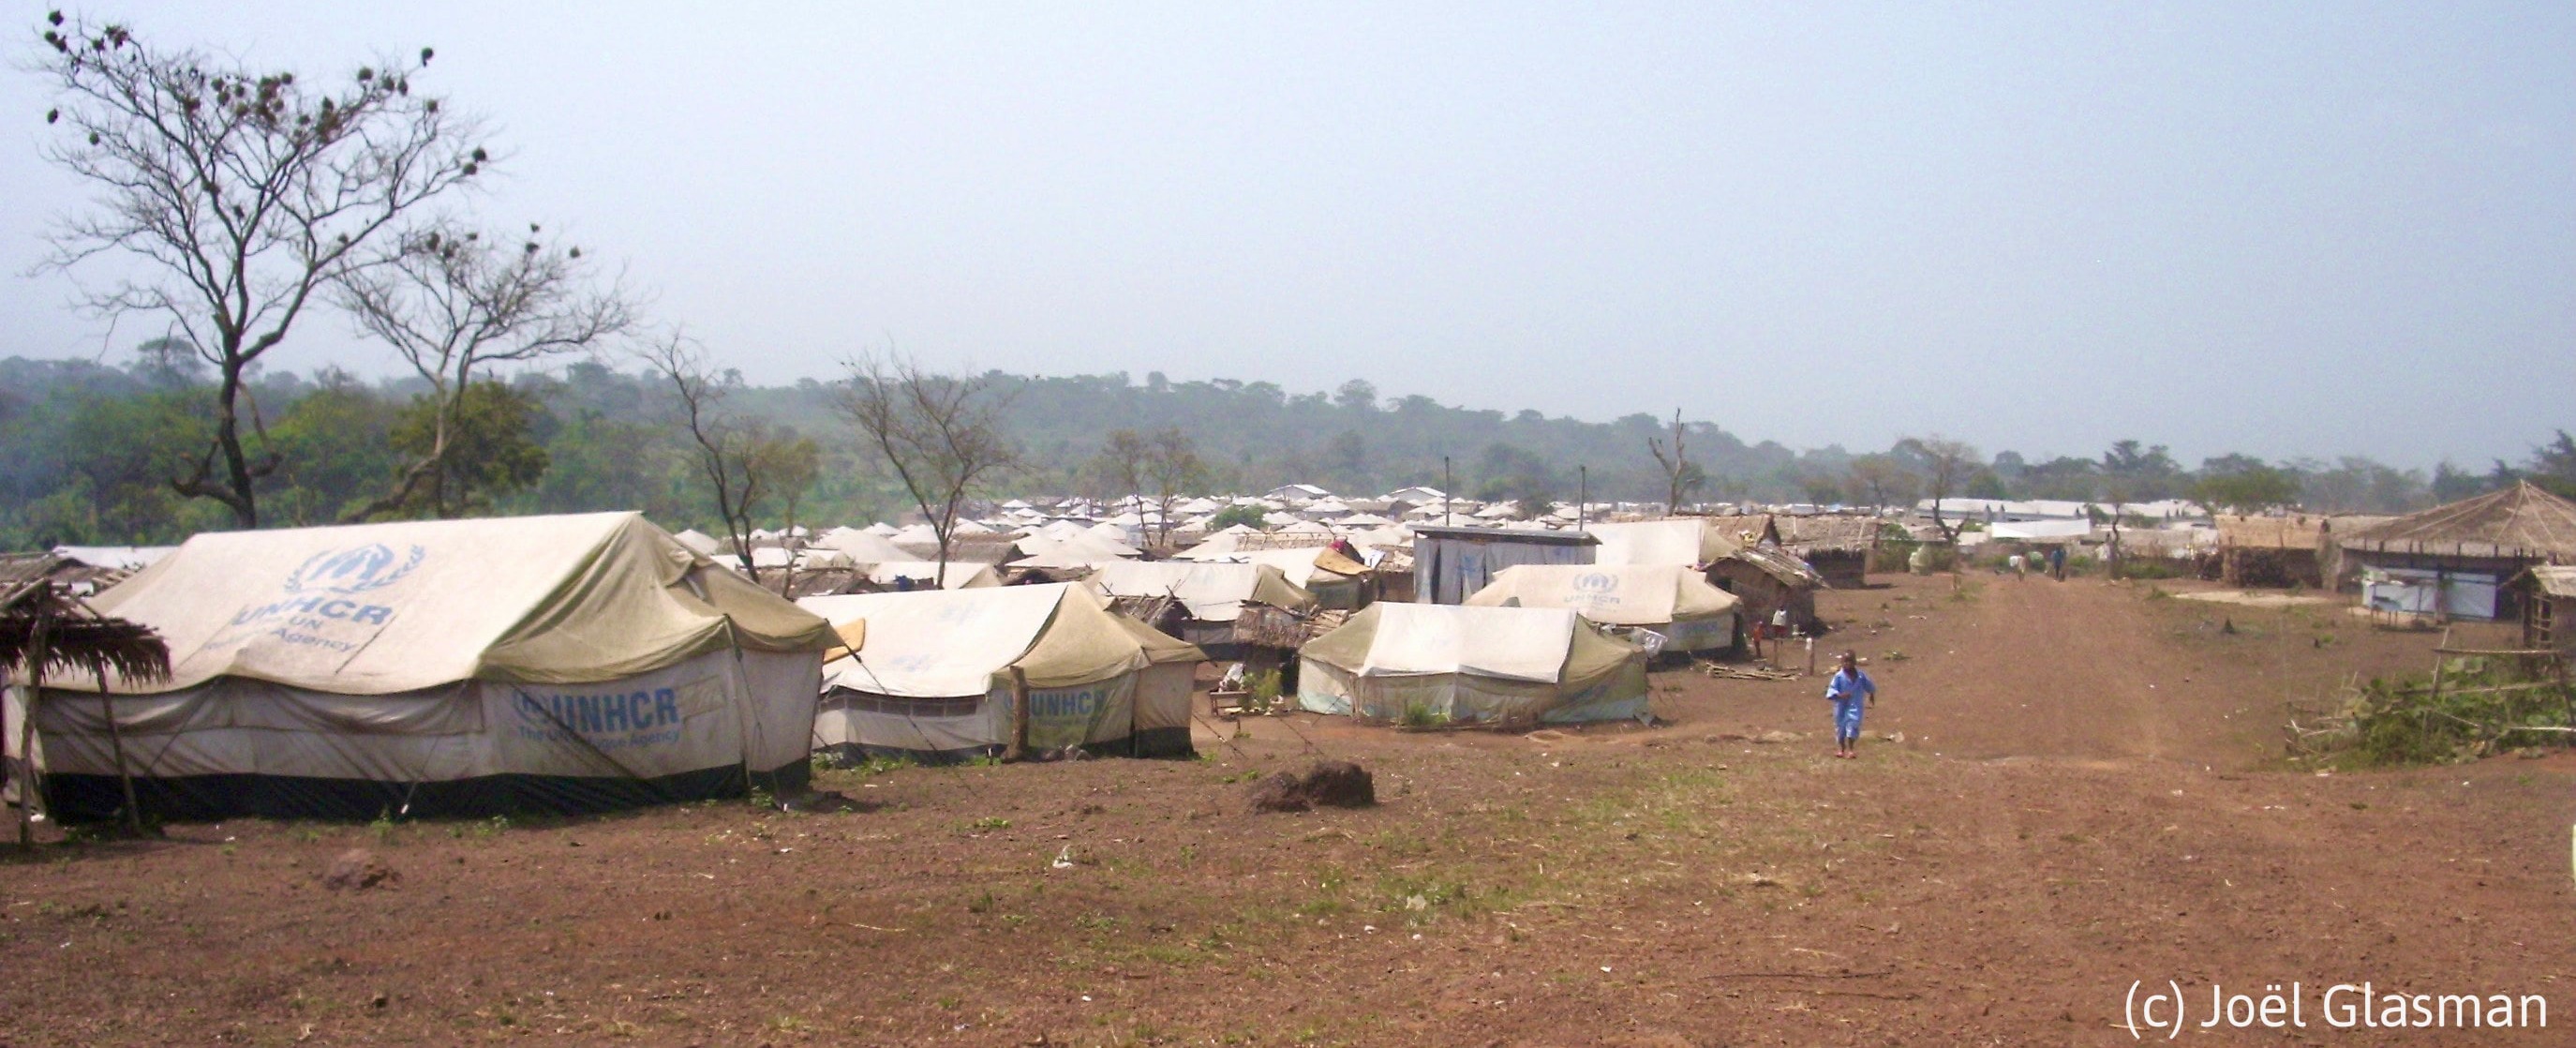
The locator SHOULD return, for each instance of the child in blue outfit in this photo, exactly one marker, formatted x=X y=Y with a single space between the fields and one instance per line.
x=1849 y=689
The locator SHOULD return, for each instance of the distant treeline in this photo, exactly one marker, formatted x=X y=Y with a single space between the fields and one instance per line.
x=87 y=451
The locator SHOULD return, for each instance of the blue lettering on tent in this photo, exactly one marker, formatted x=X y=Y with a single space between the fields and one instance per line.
x=610 y=721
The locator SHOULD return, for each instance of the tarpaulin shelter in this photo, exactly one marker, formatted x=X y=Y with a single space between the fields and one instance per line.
x=1443 y=663
x=1213 y=598
x=1669 y=599
x=933 y=674
x=441 y=667
x=1678 y=540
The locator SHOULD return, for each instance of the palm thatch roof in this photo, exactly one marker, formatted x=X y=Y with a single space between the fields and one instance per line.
x=74 y=638
x=2522 y=522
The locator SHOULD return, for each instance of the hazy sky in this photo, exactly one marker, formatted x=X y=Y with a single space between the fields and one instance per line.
x=2285 y=229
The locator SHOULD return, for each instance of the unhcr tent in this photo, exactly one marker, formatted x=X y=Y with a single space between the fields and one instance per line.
x=1444 y=662
x=1213 y=596
x=440 y=667
x=1669 y=599
x=933 y=674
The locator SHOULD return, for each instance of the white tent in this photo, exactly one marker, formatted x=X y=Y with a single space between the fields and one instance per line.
x=1669 y=599
x=1440 y=663
x=698 y=541
x=464 y=666
x=932 y=675
x=1680 y=540
x=882 y=529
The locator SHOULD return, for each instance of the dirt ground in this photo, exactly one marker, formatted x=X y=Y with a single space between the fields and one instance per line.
x=2087 y=795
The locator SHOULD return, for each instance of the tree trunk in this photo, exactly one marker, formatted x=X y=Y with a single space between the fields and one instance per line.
x=228 y=439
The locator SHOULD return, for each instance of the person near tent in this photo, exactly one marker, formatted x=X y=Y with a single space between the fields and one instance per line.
x=2020 y=566
x=2057 y=562
x=1849 y=689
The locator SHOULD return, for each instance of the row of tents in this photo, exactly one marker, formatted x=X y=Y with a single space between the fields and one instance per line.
x=595 y=661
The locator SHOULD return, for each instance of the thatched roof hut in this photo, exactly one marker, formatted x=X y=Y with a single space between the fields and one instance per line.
x=2462 y=553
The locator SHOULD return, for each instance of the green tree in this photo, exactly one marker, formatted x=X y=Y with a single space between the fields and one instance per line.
x=1247 y=516
x=2244 y=485
x=334 y=447
x=490 y=450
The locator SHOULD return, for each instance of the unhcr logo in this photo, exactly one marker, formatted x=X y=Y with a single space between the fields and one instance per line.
x=350 y=571
x=1595 y=582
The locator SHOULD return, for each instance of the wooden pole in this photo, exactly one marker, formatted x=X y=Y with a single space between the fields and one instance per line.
x=1018 y=747
x=36 y=655
x=116 y=746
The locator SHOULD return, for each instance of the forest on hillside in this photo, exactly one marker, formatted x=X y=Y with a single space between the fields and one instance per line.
x=89 y=451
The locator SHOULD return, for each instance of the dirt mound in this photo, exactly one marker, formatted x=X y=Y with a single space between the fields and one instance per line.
x=1329 y=784
x=358 y=870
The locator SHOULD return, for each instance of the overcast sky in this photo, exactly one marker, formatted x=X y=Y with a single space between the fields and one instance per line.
x=2318 y=229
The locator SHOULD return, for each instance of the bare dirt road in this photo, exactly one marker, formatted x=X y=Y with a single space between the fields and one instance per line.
x=2085 y=799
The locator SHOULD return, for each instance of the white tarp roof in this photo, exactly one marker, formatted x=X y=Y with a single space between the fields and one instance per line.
x=379 y=608
x=2041 y=529
x=1681 y=540
x=125 y=558
x=1616 y=594
x=699 y=541
x=1212 y=592
x=1513 y=643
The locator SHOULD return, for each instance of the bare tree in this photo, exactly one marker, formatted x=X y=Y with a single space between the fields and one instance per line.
x=451 y=302
x=1947 y=464
x=241 y=195
x=942 y=434
x=738 y=458
x=1681 y=474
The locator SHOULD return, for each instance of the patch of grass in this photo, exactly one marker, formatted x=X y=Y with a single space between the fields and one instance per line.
x=1422 y=715
x=989 y=823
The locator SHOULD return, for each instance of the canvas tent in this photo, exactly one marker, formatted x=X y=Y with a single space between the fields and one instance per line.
x=1450 y=663
x=441 y=667
x=1669 y=599
x=932 y=676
